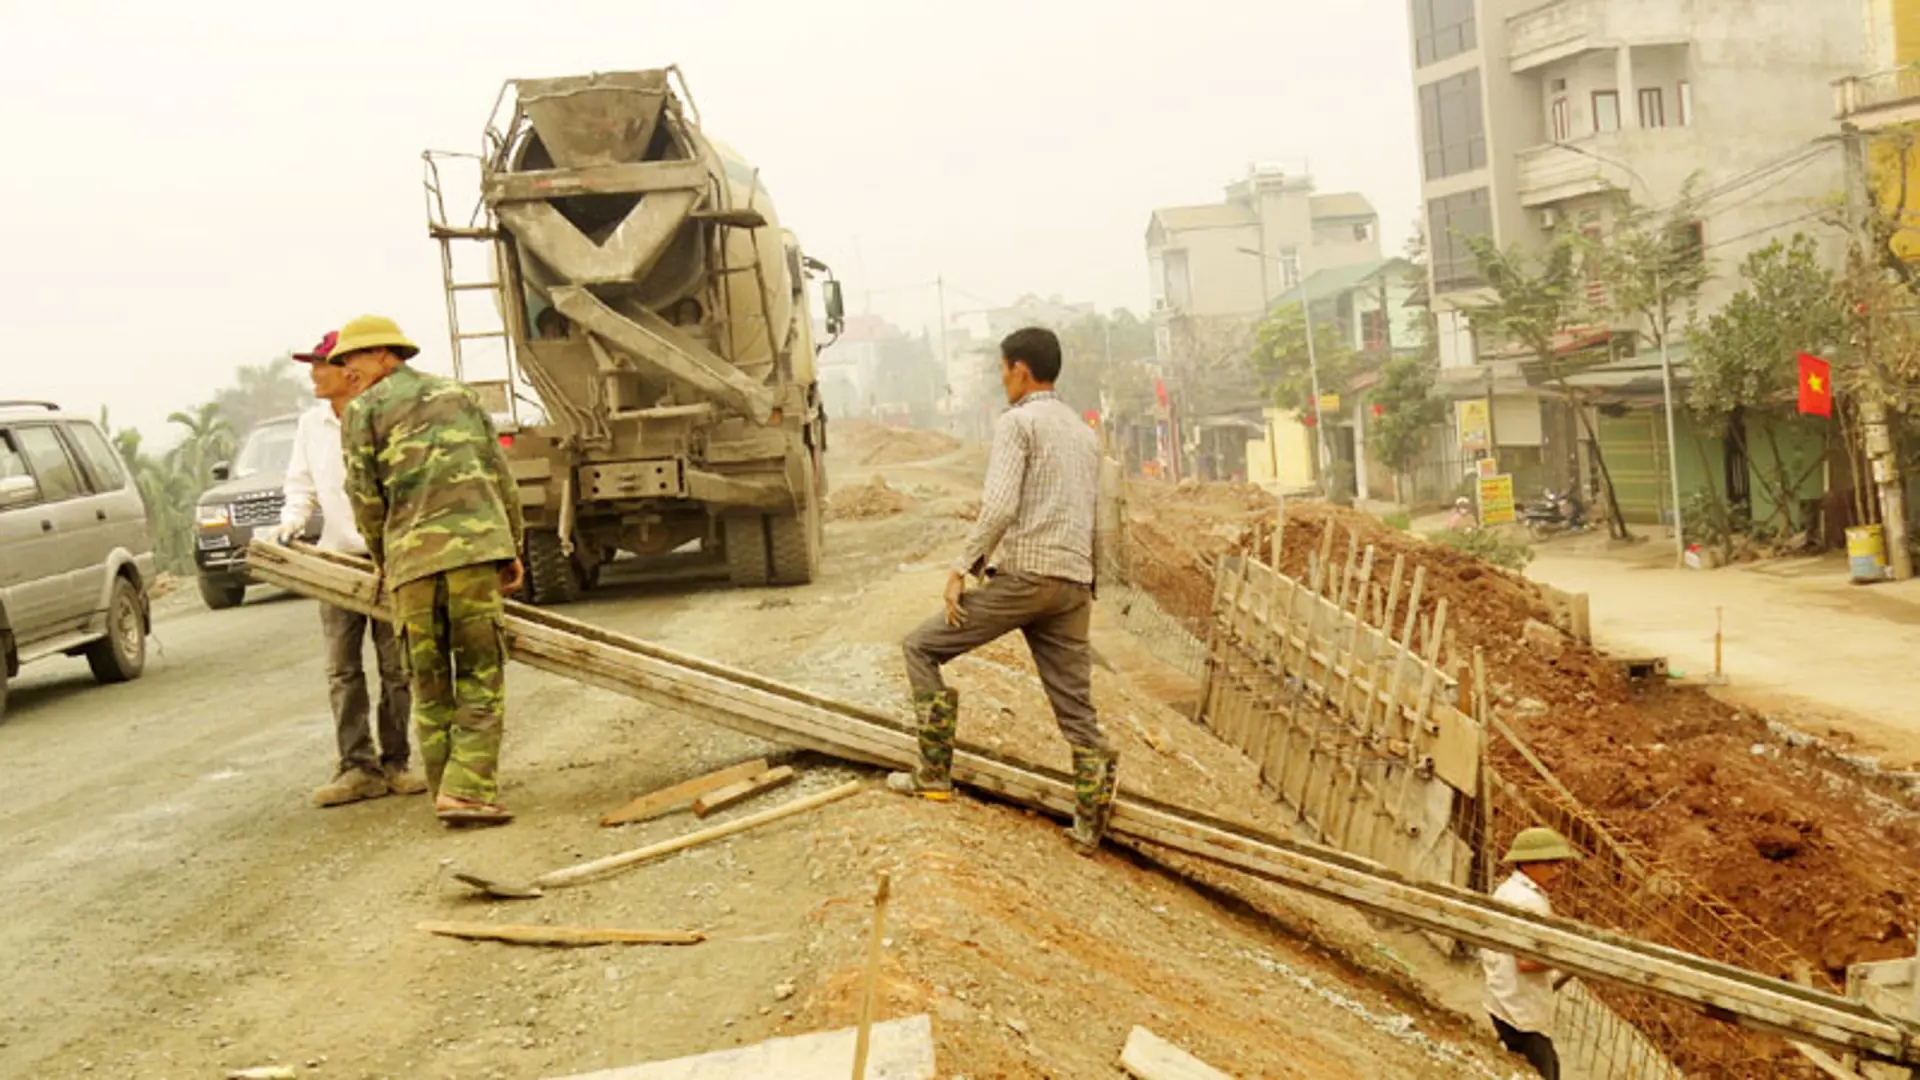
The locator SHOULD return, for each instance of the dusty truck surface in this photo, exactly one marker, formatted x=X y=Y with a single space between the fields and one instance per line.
x=657 y=329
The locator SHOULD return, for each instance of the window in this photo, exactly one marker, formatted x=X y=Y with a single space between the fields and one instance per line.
x=1684 y=104
x=1596 y=285
x=1450 y=222
x=1690 y=243
x=1606 y=110
x=268 y=449
x=12 y=462
x=1289 y=267
x=47 y=459
x=1562 y=119
x=1179 y=289
x=1453 y=133
x=103 y=463
x=1373 y=330
x=1653 y=108
x=1442 y=28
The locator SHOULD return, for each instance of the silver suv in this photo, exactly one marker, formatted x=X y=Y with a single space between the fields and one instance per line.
x=75 y=556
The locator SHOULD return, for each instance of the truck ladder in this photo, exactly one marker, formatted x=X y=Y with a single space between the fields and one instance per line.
x=446 y=235
x=769 y=709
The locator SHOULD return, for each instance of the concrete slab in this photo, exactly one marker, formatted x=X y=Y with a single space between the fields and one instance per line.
x=899 y=1050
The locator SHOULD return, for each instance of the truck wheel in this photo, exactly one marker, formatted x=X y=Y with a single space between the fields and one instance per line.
x=793 y=540
x=219 y=596
x=746 y=540
x=122 y=654
x=552 y=577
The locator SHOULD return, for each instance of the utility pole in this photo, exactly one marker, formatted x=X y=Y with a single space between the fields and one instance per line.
x=1666 y=382
x=1878 y=437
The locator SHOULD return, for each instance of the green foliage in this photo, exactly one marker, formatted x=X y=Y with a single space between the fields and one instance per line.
x=1106 y=355
x=1744 y=355
x=1650 y=264
x=1399 y=520
x=1285 y=366
x=171 y=484
x=1408 y=411
x=1535 y=296
x=1488 y=545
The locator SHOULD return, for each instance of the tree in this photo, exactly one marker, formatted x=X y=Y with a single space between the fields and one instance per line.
x=210 y=439
x=1535 y=299
x=1744 y=356
x=1408 y=411
x=262 y=392
x=1104 y=362
x=1286 y=367
x=1652 y=265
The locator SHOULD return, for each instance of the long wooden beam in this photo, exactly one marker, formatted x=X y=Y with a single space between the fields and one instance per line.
x=769 y=709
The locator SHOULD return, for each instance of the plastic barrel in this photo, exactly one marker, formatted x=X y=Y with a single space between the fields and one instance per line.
x=1867 y=553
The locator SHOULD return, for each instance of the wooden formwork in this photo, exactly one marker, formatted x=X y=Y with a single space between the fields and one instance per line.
x=1334 y=687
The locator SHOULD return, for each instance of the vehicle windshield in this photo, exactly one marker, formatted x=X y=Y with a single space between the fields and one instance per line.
x=268 y=449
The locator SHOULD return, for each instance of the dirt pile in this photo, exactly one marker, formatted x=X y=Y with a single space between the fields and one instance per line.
x=1813 y=859
x=868 y=502
x=863 y=442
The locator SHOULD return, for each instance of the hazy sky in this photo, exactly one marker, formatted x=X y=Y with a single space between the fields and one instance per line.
x=188 y=187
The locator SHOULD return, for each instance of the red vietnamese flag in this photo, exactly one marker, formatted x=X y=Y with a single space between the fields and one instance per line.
x=1816 y=386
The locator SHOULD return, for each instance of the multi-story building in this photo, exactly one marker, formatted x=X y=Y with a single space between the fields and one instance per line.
x=1214 y=270
x=1534 y=115
x=1884 y=103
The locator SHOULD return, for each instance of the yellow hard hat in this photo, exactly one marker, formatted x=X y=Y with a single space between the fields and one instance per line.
x=1540 y=844
x=374 y=332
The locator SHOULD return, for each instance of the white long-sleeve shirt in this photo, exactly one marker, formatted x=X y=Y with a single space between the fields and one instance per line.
x=317 y=477
x=1524 y=999
x=1043 y=484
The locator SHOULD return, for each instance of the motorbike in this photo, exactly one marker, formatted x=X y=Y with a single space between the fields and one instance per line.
x=1553 y=513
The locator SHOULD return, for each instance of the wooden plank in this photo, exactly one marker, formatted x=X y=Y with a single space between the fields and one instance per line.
x=901 y=1050
x=680 y=796
x=1149 y=1057
x=517 y=934
x=742 y=791
x=753 y=702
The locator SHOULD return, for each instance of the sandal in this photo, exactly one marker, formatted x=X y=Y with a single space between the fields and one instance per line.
x=469 y=812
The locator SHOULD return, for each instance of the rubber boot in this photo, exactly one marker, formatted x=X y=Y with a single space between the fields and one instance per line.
x=939 y=714
x=1096 y=775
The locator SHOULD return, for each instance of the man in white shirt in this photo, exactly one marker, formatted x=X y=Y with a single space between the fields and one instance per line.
x=316 y=479
x=1520 y=992
x=1036 y=525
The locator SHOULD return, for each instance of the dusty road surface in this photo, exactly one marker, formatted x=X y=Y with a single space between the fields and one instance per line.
x=176 y=909
x=1800 y=642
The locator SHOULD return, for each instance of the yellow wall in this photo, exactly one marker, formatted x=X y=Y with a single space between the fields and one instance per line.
x=1906 y=31
x=1284 y=458
x=1890 y=153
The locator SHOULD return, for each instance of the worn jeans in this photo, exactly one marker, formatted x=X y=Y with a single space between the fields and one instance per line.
x=1532 y=1045
x=1054 y=616
x=346 y=633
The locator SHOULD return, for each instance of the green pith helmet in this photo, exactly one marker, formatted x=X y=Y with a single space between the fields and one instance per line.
x=1540 y=844
x=374 y=332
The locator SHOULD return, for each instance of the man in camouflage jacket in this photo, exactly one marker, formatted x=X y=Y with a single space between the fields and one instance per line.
x=435 y=501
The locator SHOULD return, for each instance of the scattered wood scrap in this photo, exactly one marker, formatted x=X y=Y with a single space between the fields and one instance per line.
x=517 y=934
x=902 y=1050
x=680 y=796
x=742 y=791
x=1149 y=1057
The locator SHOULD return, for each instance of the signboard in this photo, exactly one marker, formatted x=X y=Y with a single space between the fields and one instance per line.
x=1475 y=423
x=1329 y=402
x=1486 y=466
x=1496 y=500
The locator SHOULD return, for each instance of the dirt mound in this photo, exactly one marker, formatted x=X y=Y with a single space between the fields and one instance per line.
x=1809 y=857
x=862 y=442
x=868 y=502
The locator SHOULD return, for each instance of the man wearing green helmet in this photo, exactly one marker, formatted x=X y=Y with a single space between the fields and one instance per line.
x=1520 y=992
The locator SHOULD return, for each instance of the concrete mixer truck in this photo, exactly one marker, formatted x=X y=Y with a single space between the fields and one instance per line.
x=657 y=330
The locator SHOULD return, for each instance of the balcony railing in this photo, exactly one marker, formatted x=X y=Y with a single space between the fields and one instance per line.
x=1861 y=96
x=1563 y=28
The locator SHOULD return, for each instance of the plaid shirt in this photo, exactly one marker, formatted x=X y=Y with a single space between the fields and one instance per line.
x=1043 y=481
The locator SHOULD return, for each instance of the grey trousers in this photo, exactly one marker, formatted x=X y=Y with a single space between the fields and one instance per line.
x=1054 y=616
x=346 y=633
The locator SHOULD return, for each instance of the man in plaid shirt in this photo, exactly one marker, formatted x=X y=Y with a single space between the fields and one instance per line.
x=1038 y=515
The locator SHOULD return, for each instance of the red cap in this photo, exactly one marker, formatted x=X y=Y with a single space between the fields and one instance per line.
x=321 y=351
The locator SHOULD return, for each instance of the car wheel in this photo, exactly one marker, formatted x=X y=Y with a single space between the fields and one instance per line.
x=220 y=596
x=122 y=654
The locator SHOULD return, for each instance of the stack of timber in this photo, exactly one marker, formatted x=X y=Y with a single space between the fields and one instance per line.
x=764 y=707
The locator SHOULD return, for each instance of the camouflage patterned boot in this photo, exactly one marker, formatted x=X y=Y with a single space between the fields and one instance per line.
x=1096 y=774
x=939 y=714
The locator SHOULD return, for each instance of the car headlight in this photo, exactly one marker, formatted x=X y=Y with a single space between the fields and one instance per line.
x=214 y=517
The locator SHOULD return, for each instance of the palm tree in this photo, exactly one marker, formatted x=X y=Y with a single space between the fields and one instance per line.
x=210 y=439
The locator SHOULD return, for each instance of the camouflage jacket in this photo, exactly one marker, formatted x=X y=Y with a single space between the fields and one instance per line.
x=430 y=486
